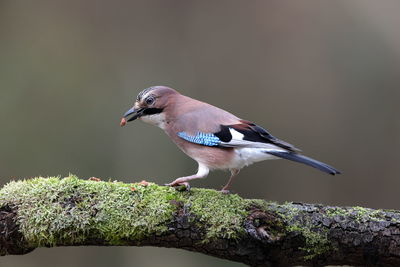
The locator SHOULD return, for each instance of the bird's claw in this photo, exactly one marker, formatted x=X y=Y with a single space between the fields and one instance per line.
x=183 y=186
x=225 y=191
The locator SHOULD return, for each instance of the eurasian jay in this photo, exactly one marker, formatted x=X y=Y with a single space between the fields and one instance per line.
x=213 y=137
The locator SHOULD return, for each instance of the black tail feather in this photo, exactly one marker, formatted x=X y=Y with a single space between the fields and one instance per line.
x=305 y=160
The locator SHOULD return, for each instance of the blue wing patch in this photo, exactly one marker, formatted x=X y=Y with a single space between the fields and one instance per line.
x=205 y=139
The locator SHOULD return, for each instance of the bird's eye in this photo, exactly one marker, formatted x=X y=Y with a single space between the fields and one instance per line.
x=149 y=100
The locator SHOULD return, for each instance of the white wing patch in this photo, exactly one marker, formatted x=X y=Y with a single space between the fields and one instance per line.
x=237 y=141
x=235 y=134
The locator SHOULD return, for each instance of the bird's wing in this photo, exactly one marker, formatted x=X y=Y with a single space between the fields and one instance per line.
x=243 y=134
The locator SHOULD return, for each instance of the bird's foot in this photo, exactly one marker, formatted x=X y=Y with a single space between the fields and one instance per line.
x=225 y=191
x=180 y=186
x=183 y=187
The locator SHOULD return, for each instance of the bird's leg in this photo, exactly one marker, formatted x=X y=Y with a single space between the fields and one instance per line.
x=201 y=173
x=225 y=189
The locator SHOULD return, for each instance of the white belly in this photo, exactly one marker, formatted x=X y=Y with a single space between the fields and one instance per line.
x=246 y=156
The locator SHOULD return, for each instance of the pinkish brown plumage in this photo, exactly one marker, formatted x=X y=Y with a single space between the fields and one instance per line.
x=213 y=137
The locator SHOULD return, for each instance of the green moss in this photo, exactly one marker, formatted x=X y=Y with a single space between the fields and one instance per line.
x=69 y=210
x=335 y=211
x=53 y=210
x=317 y=243
x=365 y=214
x=223 y=214
x=359 y=214
x=261 y=204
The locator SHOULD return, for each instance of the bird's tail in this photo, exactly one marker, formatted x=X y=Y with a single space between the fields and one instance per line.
x=305 y=160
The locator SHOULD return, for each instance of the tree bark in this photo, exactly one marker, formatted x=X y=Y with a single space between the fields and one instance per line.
x=45 y=212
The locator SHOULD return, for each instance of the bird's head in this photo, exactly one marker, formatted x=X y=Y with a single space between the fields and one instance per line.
x=150 y=105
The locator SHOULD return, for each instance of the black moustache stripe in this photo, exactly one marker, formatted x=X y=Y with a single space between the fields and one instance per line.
x=134 y=117
x=152 y=111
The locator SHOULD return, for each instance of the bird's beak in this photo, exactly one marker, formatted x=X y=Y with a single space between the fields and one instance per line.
x=135 y=112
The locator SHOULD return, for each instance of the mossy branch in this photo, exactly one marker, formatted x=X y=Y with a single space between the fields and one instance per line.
x=47 y=212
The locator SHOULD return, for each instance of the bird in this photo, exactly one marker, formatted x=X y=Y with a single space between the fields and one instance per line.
x=216 y=139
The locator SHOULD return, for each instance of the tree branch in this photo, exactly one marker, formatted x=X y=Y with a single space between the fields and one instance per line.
x=46 y=212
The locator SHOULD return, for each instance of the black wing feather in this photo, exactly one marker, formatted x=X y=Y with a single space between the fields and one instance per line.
x=252 y=133
x=272 y=139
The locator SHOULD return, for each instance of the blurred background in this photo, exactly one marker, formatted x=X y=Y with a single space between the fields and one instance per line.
x=322 y=75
